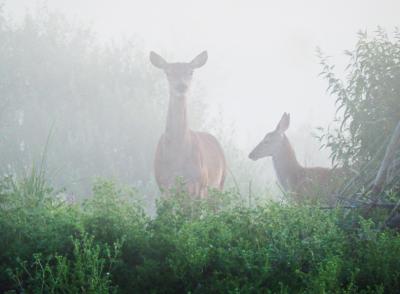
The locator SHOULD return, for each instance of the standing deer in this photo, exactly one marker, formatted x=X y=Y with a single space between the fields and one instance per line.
x=298 y=180
x=196 y=157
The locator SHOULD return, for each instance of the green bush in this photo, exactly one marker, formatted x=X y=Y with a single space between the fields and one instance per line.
x=108 y=244
x=367 y=99
x=84 y=272
x=33 y=221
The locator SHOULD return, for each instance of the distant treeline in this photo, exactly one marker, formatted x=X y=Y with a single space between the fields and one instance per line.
x=95 y=110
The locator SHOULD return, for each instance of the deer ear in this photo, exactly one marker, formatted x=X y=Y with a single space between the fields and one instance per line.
x=284 y=123
x=157 y=60
x=199 y=60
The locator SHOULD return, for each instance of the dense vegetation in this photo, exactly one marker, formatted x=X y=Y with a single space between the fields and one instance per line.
x=108 y=244
x=367 y=99
x=368 y=110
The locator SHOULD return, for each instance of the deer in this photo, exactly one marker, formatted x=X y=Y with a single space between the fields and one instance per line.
x=298 y=181
x=196 y=158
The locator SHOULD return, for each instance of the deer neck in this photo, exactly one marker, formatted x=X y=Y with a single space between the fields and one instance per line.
x=286 y=165
x=177 y=128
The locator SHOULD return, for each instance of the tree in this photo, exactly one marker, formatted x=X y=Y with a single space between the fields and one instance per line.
x=367 y=99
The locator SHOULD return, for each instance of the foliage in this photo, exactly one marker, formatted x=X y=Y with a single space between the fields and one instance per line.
x=108 y=244
x=367 y=100
x=84 y=272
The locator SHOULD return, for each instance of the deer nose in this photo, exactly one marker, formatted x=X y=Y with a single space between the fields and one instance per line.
x=254 y=155
x=251 y=155
x=181 y=87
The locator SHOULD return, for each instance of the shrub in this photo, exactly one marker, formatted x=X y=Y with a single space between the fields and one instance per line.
x=108 y=244
x=367 y=100
x=84 y=272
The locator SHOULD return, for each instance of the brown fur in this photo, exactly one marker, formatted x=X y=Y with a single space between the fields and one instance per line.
x=313 y=183
x=195 y=157
x=305 y=182
x=199 y=161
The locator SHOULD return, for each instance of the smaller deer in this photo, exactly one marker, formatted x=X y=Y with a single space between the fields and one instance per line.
x=299 y=181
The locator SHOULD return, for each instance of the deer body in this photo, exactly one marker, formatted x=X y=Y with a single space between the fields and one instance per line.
x=195 y=157
x=301 y=181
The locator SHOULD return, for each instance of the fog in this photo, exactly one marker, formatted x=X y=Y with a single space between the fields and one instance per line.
x=262 y=62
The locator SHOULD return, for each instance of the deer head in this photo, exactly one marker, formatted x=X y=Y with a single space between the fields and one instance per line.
x=179 y=74
x=272 y=141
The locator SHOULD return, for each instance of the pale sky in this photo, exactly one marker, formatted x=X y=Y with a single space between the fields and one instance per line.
x=262 y=59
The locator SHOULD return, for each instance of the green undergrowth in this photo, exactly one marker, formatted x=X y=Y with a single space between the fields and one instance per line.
x=109 y=245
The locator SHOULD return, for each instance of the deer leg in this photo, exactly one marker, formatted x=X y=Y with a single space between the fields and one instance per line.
x=203 y=192
x=193 y=189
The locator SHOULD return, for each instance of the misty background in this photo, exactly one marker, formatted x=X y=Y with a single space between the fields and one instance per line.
x=75 y=81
